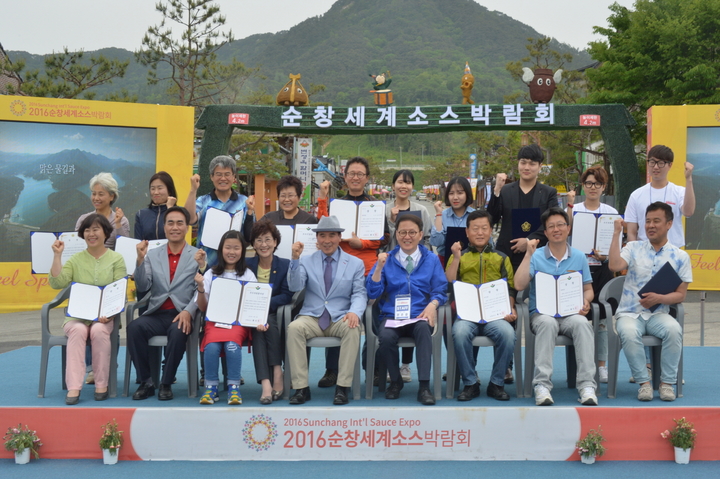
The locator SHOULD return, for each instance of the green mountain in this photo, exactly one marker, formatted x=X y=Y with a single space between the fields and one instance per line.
x=424 y=44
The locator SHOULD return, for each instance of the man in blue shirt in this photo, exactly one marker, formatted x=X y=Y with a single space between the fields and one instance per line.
x=643 y=259
x=558 y=258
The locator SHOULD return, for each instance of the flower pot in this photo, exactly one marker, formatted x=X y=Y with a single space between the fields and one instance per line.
x=22 y=457
x=587 y=459
x=682 y=456
x=109 y=458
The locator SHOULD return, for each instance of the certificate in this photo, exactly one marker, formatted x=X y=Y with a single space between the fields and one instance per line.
x=665 y=281
x=127 y=247
x=217 y=223
x=91 y=302
x=482 y=303
x=399 y=323
x=42 y=253
x=525 y=221
x=364 y=218
x=236 y=302
x=293 y=233
x=559 y=295
x=593 y=231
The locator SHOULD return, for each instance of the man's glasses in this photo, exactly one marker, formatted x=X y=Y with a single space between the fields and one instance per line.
x=355 y=174
x=555 y=226
x=659 y=163
x=593 y=184
x=411 y=234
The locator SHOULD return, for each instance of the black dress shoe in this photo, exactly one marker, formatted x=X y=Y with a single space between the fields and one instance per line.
x=425 y=397
x=393 y=391
x=102 y=396
x=165 y=392
x=329 y=380
x=497 y=392
x=341 y=396
x=71 y=401
x=144 y=391
x=300 y=396
x=469 y=392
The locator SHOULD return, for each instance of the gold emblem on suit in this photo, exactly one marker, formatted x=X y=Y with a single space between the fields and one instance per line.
x=525 y=226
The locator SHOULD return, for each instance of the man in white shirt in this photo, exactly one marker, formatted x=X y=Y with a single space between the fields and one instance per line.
x=681 y=199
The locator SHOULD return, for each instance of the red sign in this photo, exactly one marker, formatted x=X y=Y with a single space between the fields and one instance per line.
x=589 y=120
x=238 y=119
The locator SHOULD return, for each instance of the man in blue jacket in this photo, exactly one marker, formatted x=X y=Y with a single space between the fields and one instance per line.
x=412 y=284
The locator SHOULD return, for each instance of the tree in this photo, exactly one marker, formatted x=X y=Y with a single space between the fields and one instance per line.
x=663 y=53
x=195 y=74
x=69 y=75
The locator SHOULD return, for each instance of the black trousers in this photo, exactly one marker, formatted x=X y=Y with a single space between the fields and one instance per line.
x=388 y=352
x=267 y=349
x=146 y=326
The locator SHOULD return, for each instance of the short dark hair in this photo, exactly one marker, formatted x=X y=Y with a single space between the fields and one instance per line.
x=659 y=205
x=598 y=172
x=477 y=214
x=240 y=267
x=531 y=152
x=411 y=218
x=555 y=211
x=661 y=152
x=93 y=219
x=178 y=209
x=167 y=181
x=464 y=184
x=361 y=160
x=290 y=181
x=265 y=226
x=406 y=175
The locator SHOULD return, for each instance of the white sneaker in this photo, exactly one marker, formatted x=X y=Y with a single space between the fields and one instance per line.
x=645 y=393
x=587 y=396
x=542 y=396
x=405 y=373
x=603 y=373
x=667 y=393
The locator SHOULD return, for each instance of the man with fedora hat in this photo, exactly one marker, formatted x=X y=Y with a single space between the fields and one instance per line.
x=335 y=300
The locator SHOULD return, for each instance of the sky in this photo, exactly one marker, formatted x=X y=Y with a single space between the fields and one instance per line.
x=93 y=24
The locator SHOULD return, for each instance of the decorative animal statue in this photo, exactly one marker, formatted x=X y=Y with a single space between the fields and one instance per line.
x=542 y=83
x=381 y=81
x=293 y=93
x=466 y=85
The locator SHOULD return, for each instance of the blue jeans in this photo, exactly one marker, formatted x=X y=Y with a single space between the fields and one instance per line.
x=660 y=325
x=212 y=362
x=502 y=334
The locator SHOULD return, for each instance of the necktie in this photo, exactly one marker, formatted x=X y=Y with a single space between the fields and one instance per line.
x=324 y=320
x=410 y=266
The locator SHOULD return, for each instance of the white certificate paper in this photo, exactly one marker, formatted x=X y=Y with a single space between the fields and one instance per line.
x=218 y=222
x=592 y=231
x=73 y=244
x=126 y=246
x=255 y=304
x=90 y=302
x=41 y=249
x=365 y=218
x=236 y=302
x=287 y=235
x=484 y=303
x=604 y=233
x=559 y=296
x=346 y=213
x=292 y=234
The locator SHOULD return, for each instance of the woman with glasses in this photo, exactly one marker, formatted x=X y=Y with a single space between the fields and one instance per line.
x=594 y=180
x=290 y=192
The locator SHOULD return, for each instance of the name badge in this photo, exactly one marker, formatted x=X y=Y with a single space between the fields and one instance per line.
x=402 y=306
x=223 y=325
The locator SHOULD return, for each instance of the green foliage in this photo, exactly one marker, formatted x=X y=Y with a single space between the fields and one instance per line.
x=18 y=439
x=591 y=444
x=195 y=76
x=70 y=74
x=258 y=154
x=683 y=435
x=665 y=52
x=111 y=438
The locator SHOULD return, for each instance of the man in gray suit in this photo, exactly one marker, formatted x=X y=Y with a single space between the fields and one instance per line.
x=168 y=273
x=335 y=300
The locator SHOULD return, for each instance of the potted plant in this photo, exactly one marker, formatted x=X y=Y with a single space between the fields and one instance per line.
x=682 y=437
x=591 y=446
x=110 y=442
x=22 y=441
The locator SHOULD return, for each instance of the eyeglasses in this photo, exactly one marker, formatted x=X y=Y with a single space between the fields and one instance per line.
x=659 y=163
x=355 y=174
x=411 y=234
x=223 y=175
x=593 y=184
x=555 y=226
x=264 y=241
x=287 y=197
